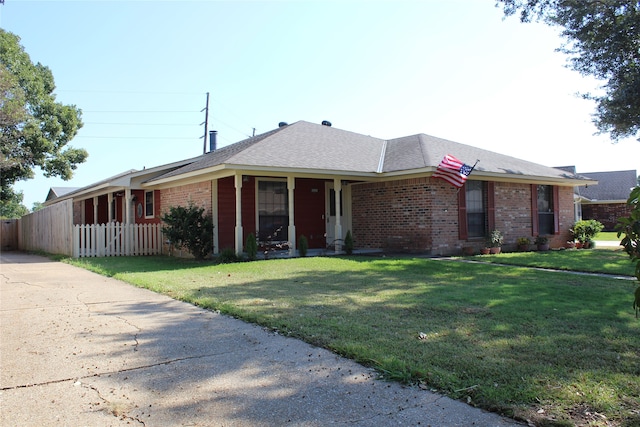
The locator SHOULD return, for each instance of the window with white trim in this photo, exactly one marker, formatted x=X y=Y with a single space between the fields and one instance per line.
x=148 y=204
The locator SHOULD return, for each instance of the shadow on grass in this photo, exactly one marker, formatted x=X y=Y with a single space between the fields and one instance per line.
x=507 y=338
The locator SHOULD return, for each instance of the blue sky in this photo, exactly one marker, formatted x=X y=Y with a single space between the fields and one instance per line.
x=455 y=69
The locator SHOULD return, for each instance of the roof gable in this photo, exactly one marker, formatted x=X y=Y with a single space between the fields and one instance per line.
x=614 y=185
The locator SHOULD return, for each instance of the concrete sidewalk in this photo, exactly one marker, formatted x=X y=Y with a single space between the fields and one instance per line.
x=79 y=349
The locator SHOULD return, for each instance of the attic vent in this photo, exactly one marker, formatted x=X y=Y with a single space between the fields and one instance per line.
x=326 y=123
x=282 y=124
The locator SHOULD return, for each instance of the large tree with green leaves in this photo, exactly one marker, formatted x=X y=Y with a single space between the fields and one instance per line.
x=602 y=39
x=34 y=128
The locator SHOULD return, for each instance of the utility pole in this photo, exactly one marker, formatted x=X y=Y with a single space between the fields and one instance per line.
x=206 y=125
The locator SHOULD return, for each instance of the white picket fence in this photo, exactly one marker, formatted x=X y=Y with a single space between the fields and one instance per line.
x=115 y=239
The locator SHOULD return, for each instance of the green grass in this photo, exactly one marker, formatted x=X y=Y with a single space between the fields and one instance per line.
x=610 y=236
x=508 y=339
x=599 y=260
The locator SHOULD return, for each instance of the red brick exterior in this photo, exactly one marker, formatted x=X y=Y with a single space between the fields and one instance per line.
x=606 y=213
x=421 y=215
x=199 y=194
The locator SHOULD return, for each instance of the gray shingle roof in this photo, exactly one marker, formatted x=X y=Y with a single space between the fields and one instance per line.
x=314 y=147
x=612 y=186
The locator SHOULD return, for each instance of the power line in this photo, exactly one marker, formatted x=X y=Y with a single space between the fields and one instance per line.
x=140 y=124
x=138 y=111
x=135 y=137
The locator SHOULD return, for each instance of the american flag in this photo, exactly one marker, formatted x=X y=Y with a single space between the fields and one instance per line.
x=453 y=171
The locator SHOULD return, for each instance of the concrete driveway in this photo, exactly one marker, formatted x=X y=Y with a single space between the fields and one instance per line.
x=79 y=349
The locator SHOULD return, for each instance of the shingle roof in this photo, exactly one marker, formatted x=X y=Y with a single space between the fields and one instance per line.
x=55 y=192
x=612 y=186
x=315 y=147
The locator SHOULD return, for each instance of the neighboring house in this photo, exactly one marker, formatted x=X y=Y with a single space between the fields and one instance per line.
x=607 y=201
x=106 y=201
x=318 y=181
x=56 y=192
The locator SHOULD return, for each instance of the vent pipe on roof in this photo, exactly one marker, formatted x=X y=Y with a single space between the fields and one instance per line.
x=326 y=123
x=213 y=140
x=282 y=124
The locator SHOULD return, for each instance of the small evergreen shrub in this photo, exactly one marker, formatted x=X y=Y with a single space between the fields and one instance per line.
x=228 y=256
x=348 y=243
x=303 y=245
x=251 y=247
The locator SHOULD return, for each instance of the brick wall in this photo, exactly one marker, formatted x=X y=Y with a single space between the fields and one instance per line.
x=421 y=215
x=606 y=213
x=199 y=193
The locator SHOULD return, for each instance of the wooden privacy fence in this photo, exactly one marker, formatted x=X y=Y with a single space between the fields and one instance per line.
x=115 y=239
x=48 y=230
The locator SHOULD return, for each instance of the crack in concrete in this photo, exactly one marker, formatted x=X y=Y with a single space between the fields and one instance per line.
x=119 y=371
x=9 y=282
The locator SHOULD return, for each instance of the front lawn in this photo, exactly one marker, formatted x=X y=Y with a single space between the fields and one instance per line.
x=599 y=260
x=551 y=347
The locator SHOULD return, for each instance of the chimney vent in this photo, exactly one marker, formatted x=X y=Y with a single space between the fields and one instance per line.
x=282 y=124
x=213 y=140
x=326 y=123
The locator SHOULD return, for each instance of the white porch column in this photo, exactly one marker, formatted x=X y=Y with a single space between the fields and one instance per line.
x=291 y=185
x=337 y=187
x=110 y=207
x=238 y=184
x=214 y=214
x=127 y=206
x=95 y=210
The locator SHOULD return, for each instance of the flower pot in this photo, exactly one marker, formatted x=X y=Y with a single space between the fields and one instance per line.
x=484 y=251
x=570 y=245
x=468 y=250
x=544 y=247
x=523 y=248
x=579 y=245
x=495 y=250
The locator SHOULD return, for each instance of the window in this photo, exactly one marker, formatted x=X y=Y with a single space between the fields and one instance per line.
x=545 y=209
x=148 y=204
x=476 y=209
x=273 y=211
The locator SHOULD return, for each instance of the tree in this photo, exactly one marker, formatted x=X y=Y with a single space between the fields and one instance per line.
x=630 y=227
x=13 y=208
x=34 y=128
x=603 y=41
x=189 y=228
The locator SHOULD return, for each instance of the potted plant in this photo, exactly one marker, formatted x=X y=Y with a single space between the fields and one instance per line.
x=495 y=241
x=523 y=244
x=570 y=244
x=542 y=242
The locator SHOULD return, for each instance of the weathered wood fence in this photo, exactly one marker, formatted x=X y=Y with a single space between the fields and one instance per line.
x=48 y=230
x=115 y=239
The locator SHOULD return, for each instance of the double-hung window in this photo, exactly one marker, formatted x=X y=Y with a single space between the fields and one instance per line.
x=544 y=207
x=273 y=211
x=475 y=210
x=148 y=204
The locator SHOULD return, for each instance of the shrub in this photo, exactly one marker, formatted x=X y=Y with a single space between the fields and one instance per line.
x=303 y=245
x=523 y=241
x=348 y=243
x=189 y=227
x=586 y=229
x=251 y=247
x=228 y=256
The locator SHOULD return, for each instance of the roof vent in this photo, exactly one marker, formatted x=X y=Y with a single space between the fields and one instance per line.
x=326 y=123
x=282 y=124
